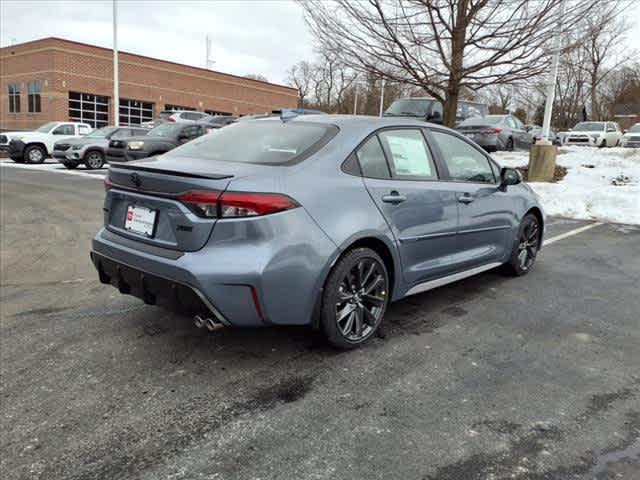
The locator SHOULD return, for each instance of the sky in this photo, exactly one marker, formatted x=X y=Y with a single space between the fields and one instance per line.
x=262 y=37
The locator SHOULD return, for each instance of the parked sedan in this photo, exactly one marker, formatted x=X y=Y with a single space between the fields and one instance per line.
x=536 y=135
x=90 y=150
x=496 y=132
x=322 y=220
x=631 y=137
x=158 y=140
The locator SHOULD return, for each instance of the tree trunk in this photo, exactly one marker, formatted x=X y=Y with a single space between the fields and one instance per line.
x=450 y=107
x=594 y=100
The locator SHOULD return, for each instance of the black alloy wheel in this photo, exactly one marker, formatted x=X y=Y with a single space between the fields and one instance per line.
x=355 y=298
x=527 y=245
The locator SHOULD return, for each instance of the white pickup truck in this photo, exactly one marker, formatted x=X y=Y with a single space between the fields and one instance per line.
x=35 y=146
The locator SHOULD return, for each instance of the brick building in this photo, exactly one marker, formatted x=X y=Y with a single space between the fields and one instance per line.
x=56 y=79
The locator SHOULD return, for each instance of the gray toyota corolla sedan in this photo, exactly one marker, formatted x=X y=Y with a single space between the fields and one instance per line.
x=317 y=220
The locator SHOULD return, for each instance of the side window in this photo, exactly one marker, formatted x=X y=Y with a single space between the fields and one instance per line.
x=123 y=132
x=511 y=122
x=372 y=161
x=408 y=154
x=464 y=162
x=83 y=130
x=64 y=130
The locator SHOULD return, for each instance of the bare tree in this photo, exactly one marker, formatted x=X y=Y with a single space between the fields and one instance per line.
x=605 y=28
x=256 y=76
x=300 y=76
x=441 y=46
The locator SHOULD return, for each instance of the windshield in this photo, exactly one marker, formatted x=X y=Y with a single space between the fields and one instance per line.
x=488 y=120
x=262 y=142
x=589 y=126
x=46 y=127
x=103 y=132
x=411 y=107
x=635 y=128
x=165 y=130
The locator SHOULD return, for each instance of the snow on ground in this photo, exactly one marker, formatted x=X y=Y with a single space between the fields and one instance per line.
x=588 y=190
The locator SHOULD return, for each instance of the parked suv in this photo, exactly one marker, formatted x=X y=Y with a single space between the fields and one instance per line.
x=429 y=109
x=158 y=140
x=90 y=150
x=594 y=134
x=631 y=137
x=35 y=146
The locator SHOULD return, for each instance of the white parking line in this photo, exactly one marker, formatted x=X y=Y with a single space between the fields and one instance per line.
x=53 y=167
x=571 y=233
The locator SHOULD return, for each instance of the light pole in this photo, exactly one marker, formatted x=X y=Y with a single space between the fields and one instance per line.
x=542 y=156
x=116 y=76
x=382 y=96
x=553 y=76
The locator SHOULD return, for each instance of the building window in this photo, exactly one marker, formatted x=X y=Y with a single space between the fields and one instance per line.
x=89 y=108
x=168 y=106
x=134 y=112
x=33 y=97
x=14 y=98
x=215 y=112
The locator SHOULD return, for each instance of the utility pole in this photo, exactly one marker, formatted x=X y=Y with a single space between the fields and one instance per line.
x=116 y=76
x=355 y=99
x=381 y=96
x=542 y=156
x=208 y=63
x=553 y=76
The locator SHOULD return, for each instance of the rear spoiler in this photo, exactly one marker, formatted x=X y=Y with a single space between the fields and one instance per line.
x=177 y=173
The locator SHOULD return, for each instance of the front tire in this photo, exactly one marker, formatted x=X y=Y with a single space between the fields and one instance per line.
x=34 y=154
x=355 y=298
x=94 y=160
x=526 y=247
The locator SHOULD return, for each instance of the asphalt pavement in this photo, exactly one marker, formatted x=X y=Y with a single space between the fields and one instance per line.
x=490 y=378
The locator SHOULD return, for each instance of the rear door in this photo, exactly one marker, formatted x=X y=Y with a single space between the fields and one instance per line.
x=401 y=176
x=483 y=210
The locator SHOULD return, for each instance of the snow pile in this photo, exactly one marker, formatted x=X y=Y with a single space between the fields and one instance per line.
x=601 y=183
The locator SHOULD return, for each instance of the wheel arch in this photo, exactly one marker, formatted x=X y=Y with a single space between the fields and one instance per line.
x=374 y=243
x=538 y=213
x=38 y=144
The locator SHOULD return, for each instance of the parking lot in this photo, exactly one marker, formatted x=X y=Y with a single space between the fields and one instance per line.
x=493 y=377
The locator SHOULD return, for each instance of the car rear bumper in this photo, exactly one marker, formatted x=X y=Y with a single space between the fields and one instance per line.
x=115 y=155
x=272 y=279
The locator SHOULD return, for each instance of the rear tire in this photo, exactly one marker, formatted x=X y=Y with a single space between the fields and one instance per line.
x=509 y=147
x=526 y=246
x=355 y=298
x=34 y=154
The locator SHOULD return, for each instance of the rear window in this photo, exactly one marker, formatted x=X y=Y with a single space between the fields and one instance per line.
x=261 y=142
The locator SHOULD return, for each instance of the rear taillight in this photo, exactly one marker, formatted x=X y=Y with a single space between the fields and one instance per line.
x=495 y=131
x=213 y=204
x=106 y=183
x=169 y=120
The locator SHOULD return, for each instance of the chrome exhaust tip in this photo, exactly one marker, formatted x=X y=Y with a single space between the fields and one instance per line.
x=198 y=321
x=213 y=324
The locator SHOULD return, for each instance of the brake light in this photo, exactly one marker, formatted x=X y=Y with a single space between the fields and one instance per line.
x=106 y=183
x=169 y=120
x=495 y=131
x=213 y=204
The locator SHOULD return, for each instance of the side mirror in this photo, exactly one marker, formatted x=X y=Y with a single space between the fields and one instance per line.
x=435 y=116
x=509 y=176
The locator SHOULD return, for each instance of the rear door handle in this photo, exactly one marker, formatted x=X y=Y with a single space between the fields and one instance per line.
x=393 y=197
x=465 y=198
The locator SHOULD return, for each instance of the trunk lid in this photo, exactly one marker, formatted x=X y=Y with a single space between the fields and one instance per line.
x=154 y=184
